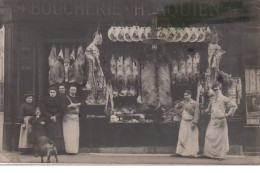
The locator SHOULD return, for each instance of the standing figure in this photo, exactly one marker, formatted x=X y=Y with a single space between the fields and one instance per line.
x=52 y=110
x=71 y=121
x=56 y=69
x=76 y=69
x=27 y=111
x=188 y=140
x=96 y=80
x=216 y=140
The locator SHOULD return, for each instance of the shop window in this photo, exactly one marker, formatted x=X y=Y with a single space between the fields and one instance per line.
x=252 y=82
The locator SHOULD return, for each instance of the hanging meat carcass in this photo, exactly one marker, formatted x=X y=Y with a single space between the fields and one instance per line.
x=56 y=69
x=164 y=80
x=189 y=68
x=61 y=56
x=76 y=69
x=96 y=80
x=175 y=72
x=136 y=70
x=113 y=70
x=67 y=64
x=149 y=96
x=135 y=88
x=195 y=65
x=182 y=70
x=128 y=68
x=72 y=55
x=120 y=72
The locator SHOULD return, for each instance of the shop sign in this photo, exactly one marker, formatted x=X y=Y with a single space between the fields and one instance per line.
x=116 y=8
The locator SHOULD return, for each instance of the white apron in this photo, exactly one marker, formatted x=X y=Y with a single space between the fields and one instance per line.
x=71 y=133
x=25 y=134
x=188 y=140
x=216 y=139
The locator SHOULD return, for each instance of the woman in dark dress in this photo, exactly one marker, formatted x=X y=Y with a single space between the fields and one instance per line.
x=52 y=110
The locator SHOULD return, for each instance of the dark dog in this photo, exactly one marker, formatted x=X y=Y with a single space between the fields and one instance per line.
x=47 y=148
x=43 y=146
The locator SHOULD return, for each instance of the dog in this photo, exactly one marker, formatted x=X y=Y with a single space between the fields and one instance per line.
x=46 y=147
x=43 y=146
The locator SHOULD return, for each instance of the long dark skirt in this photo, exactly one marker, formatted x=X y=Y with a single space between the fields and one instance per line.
x=54 y=132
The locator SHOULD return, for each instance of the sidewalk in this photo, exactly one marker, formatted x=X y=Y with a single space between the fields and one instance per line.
x=106 y=158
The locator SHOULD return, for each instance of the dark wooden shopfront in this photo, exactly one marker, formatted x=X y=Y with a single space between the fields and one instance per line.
x=31 y=27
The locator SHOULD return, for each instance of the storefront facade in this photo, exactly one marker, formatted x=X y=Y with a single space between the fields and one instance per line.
x=33 y=27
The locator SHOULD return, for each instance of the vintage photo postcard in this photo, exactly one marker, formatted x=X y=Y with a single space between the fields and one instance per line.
x=130 y=82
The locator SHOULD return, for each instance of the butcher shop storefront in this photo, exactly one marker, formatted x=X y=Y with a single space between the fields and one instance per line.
x=146 y=54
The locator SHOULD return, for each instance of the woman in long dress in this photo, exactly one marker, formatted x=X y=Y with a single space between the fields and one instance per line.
x=52 y=110
x=216 y=140
x=71 y=122
x=27 y=111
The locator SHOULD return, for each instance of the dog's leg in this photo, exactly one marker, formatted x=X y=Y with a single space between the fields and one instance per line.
x=48 y=159
x=56 y=157
x=41 y=159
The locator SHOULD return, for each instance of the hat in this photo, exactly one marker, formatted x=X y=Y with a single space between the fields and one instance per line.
x=52 y=88
x=28 y=94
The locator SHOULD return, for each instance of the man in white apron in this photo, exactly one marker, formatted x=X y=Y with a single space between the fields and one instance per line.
x=216 y=139
x=188 y=140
